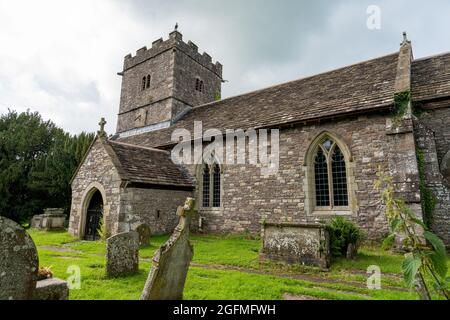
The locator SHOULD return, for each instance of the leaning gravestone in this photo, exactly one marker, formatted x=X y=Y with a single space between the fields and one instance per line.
x=171 y=262
x=144 y=235
x=122 y=254
x=18 y=262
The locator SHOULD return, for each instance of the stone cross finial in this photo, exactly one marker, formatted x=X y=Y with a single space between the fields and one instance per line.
x=102 y=123
x=405 y=38
x=176 y=26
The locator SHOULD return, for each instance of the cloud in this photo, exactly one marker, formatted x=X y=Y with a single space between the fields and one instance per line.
x=61 y=57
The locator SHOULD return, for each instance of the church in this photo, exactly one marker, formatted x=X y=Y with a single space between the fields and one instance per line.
x=335 y=131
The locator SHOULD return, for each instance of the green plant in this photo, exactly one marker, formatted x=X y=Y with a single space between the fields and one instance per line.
x=343 y=233
x=401 y=103
x=424 y=258
x=428 y=200
x=102 y=232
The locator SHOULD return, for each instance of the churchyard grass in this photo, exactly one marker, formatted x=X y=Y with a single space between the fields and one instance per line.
x=225 y=267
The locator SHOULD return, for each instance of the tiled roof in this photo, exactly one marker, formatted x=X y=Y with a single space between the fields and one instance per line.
x=148 y=166
x=357 y=88
x=430 y=78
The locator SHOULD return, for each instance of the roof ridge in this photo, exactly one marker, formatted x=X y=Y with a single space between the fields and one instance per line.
x=139 y=147
x=292 y=81
x=432 y=56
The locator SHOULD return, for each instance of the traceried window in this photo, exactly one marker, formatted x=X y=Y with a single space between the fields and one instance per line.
x=211 y=176
x=330 y=176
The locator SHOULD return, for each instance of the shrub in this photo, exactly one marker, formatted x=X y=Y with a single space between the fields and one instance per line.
x=343 y=233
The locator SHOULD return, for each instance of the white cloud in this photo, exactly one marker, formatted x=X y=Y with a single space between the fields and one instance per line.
x=61 y=57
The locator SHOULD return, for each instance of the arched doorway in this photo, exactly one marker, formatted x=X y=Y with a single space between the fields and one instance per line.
x=94 y=216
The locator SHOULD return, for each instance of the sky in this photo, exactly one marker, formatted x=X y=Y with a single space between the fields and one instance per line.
x=61 y=57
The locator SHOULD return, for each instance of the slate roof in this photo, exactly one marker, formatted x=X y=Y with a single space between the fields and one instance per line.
x=148 y=166
x=356 y=88
x=430 y=78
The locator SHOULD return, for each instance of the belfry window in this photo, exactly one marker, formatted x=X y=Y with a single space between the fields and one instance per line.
x=145 y=84
x=330 y=176
x=199 y=85
x=211 y=188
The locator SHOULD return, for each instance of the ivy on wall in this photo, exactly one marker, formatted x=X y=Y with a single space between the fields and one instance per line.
x=428 y=200
x=401 y=102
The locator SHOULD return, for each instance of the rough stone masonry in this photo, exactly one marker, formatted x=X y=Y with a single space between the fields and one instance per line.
x=354 y=107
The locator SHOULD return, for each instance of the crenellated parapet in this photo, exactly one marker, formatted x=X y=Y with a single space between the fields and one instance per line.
x=174 y=42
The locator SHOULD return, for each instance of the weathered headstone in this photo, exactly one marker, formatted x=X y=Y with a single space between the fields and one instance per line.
x=18 y=262
x=305 y=243
x=122 y=254
x=145 y=233
x=171 y=262
x=352 y=250
x=51 y=289
x=52 y=219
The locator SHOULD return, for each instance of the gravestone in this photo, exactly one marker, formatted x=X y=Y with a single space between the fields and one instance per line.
x=171 y=262
x=52 y=219
x=18 y=262
x=145 y=233
x=51 y=289
x=303 y=243
x=122 y=254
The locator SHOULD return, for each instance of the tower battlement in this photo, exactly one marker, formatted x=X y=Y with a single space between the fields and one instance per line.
x=175 y=41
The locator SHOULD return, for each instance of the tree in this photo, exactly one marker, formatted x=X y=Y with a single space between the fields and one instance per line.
x=37 y=161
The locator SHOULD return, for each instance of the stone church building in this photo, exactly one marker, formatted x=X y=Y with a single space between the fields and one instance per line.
x=336 y=131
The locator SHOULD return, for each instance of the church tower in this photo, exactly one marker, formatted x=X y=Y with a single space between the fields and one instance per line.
x=162 y=83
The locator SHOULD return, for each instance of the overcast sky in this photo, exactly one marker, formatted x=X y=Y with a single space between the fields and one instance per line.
x=60 y=57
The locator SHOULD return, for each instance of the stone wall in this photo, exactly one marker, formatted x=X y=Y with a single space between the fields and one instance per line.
x=438 y=120
x=154 y=207
x=428 y=141
x=185 y=73
x=249 y=197
x=97 y=171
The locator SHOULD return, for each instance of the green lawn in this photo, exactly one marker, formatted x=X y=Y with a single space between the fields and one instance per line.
x=223 y=267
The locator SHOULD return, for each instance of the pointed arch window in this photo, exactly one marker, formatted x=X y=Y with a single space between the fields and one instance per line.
x=211 y=186
x=330 y=176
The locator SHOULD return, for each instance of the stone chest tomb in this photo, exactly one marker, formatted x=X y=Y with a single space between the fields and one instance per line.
x=304 y=243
